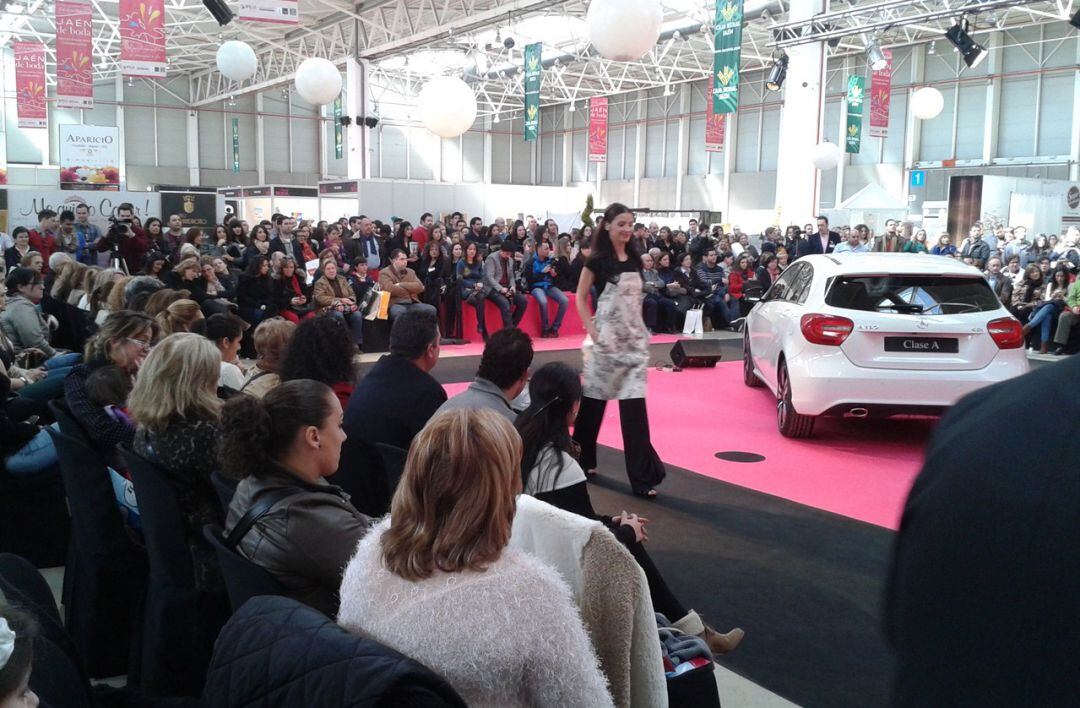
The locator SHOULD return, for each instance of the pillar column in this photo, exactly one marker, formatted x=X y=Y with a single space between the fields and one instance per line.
x=358 y=166
x=797 y=182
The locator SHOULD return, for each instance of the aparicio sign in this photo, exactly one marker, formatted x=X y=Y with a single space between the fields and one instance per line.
x=89 y=157
x=195 y=208
x=24 y=204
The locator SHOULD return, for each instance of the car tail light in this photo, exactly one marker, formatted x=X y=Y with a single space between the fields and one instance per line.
x=829 y=330
x=1007 y=333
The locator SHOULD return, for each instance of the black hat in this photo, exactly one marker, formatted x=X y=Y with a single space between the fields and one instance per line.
x=507 y=246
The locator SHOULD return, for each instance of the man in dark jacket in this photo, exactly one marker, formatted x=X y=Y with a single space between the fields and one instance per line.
x=982 y=608
x=391 y=405
x=820 y=242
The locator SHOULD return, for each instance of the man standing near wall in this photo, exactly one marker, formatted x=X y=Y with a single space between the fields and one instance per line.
x=86 y=235
x=43 y=238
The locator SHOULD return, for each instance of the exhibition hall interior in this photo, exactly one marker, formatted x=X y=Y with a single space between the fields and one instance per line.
x=631 y=353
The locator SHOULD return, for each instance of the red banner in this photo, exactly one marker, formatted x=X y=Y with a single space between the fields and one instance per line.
x=598 y=116
x=74 y=54
x=880 y=95
x=142 y=38
x=714 y=130
x=30 y=84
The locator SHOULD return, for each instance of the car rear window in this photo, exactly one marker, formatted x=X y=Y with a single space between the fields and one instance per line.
x=912 y=294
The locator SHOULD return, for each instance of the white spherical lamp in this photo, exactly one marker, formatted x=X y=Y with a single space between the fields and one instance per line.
x=236 y=60
x=927 y=102
x=825 y=156
x=624 y=30
x=448 y=106
x=318 y=81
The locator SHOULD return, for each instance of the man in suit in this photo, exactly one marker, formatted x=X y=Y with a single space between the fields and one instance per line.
x=821 y=242
x=998 y=281
x=500 y=286
x=392 y=403
x=982 y=607
x=891 y=241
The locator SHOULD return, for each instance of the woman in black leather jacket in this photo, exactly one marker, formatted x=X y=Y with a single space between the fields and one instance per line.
x=285 y=444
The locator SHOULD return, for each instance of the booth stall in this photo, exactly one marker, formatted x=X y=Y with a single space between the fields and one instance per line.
x=253 y=204
x=338 y=199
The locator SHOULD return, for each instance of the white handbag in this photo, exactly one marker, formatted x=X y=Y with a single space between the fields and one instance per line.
x=693 y=324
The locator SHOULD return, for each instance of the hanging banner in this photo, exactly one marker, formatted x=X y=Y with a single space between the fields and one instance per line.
x=339 y=139
x=855 y=101
x=714 y=130
x=727 y=46
x=598 y=117
x=89 y=157
x=3 y=158
x=142 y=38
x=533 y=67
x=235 y=144
x=30 y=84
x=282 y=12
x=74 y=54
x=880 y=96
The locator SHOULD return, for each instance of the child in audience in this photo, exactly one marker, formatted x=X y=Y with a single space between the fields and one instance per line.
x=109 y=387
x=17 y=633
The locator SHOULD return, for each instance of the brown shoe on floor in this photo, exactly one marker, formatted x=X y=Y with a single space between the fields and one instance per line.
x=722 y=643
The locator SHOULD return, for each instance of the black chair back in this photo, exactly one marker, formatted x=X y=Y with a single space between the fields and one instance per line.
x=106 y=571
x=243 y=578
x=61 y=337
x=225 y=489
x=393 y=460
x=180 y=623
x=69 y=425
x=80 y=326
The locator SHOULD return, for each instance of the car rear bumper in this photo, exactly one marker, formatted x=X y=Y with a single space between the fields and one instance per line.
x=829 y=384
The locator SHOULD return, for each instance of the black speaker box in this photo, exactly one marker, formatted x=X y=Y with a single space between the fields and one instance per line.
x=695 y=352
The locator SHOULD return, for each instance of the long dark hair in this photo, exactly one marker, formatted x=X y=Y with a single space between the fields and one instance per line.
x=255 y=433
x=254 y=266
x=321 y=348
x=603 y=250
x=553 y=391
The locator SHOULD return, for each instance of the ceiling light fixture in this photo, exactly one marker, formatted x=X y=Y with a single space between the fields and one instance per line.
x=874 y=56
x=972 y=52
x=777 y=73
x=219 y=10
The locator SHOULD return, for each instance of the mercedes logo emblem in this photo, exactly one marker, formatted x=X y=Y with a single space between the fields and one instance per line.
x=923 y=324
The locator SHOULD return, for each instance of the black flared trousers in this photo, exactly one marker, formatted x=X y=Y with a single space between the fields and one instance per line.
x=643 y=465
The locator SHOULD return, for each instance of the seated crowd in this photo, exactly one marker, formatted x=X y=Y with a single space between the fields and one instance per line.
x=381 y=502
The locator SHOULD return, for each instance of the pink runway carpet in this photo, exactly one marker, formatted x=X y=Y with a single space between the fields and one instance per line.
x=862 y=469
x=565 y=342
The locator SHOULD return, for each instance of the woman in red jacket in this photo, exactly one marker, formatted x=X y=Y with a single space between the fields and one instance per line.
x=322 y=349
x=741 y=276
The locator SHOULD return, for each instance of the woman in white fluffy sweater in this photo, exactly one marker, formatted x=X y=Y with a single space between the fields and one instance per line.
x=437 y=582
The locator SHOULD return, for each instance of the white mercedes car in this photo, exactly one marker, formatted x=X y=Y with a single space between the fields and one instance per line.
x=865 y=334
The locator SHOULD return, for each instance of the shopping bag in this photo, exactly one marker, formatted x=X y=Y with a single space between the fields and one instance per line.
x=380 y=307
x=693 y=324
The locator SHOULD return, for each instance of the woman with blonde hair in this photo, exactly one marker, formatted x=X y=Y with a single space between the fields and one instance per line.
x=116 y=301
x=272 y=339
x=179 y=316
x=437 y=581
x=178 y=414
x=82 y=287
x=67 y=278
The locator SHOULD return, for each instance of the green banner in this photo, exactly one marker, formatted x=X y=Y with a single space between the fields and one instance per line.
x=855 y=100
x=533 y=67
x=339 y=141
x=727 y=46
x=235 y=144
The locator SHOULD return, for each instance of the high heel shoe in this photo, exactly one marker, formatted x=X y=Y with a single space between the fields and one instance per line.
x=722 y=643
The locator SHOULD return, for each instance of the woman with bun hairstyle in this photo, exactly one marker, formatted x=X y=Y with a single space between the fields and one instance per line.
x=617 y=360
x=290 y=440
x=180 y=316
